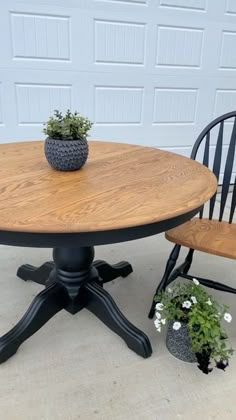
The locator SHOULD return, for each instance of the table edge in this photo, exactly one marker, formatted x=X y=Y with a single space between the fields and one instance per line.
x=51 y=240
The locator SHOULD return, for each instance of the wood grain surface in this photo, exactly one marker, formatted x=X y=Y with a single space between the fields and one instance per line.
x=211 y=236
x=120 y=186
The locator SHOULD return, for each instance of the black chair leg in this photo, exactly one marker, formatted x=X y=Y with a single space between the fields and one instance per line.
x=211 y=284
x=169 y=267
x=188 y=261
x=183 y=268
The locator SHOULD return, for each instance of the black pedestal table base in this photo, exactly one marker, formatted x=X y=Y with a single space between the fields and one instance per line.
x=73 y=282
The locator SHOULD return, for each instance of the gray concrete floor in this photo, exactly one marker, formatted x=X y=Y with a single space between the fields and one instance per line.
x=75 y=368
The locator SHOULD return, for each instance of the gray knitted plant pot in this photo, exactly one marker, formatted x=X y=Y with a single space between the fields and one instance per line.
x=66 y=155
x=179 y=344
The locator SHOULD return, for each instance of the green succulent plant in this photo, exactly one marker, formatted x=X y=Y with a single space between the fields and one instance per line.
x=70 y=126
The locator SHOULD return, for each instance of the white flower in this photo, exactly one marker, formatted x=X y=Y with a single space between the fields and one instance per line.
x=157 y=325
x=209 y=302
x=159 y=306
x=176 y=325
x=163 y=321
x=187 y=304
x=193 y=299
x=158 y=315
x=169 y=290
x=227 y=317
x=196 y=282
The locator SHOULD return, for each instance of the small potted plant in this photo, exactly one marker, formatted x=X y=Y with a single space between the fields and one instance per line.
x=194 y=325
x=66 y=147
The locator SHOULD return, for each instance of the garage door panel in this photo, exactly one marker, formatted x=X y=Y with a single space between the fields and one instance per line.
x=179 y=46
x=126 y=42
x=175 y=106
x=151 y=72
x=133 y=2
x=30 y=98
x=199 y=5
x=114 y=103
x=231 y=7
x=43 y=37
x=87 y=40
x=225 y=100
x=35 y=101
x=227 y=51
x=118 y=105
x=40 y=36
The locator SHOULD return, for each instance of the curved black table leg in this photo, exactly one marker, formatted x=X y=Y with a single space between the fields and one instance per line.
x=109 y=272
x=45 y=275
x=52 y=276
x=36 y=274
x=46 y=304
x=101 y=304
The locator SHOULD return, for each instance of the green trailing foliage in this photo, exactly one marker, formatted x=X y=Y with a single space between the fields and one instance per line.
x=71 y=126
x=189 y=303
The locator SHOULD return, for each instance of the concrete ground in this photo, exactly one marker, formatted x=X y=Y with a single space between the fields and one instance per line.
x=76 y=368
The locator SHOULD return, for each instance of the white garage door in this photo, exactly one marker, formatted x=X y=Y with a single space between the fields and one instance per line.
x=149 y=72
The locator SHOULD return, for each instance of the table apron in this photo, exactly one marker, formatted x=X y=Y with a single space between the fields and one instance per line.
x=51 y=240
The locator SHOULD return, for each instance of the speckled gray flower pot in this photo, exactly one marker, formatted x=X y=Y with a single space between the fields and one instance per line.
x=179 y=344
x=66 y=155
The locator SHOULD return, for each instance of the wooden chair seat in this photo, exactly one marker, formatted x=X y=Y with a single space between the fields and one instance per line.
x=211 y=236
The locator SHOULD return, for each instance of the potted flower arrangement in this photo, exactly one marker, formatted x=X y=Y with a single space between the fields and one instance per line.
x=66 y=147
x=195 y=332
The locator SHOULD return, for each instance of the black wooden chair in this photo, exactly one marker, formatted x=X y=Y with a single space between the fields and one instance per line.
x=209 y=234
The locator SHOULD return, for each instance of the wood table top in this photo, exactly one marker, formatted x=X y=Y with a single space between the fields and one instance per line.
x=120 y=186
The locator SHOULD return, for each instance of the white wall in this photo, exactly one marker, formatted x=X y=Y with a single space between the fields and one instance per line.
x=151 y=72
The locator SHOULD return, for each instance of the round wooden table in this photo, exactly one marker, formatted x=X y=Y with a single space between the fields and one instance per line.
x=124 y=192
